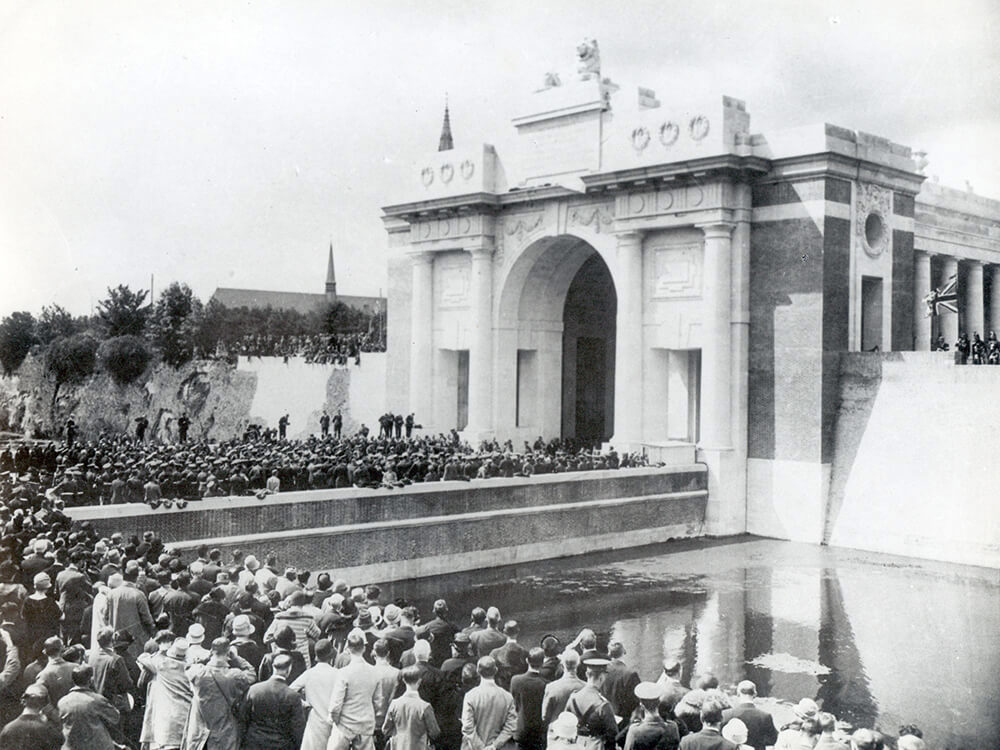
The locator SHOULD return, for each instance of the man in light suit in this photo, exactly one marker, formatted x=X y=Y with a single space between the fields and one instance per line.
x=357 y=698
x=489 y=718
x=87 y=717
x=273 y=712
x=129 y=610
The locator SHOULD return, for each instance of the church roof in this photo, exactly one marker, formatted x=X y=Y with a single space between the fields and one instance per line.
x=446 y=143
x=331 y=276
x=302 y=302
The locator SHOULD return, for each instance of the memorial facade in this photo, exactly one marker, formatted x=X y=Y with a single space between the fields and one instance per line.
x=656 y=276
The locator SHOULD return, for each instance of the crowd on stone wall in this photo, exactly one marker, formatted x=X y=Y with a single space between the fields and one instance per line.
x=115 y=469
x=119 y=641
x=333 y=348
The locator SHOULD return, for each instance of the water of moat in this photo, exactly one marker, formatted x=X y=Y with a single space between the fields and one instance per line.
x=875 y=639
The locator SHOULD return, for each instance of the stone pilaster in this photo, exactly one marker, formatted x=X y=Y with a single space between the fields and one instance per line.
x=716 y=348
x=628 y=343
x=975 y=315
x=948 y=322
x=995 y=298
x=421 y=337
x=481 y=349
x=921 y=288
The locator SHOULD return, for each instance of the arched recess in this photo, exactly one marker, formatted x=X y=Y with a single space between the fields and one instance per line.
x=536 y=394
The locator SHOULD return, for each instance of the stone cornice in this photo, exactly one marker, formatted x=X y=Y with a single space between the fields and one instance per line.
x=832 y=164
x=712 y=167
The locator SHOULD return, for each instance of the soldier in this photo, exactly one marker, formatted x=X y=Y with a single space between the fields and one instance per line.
x=409 y=424
x=282 y=427
x=182 y=427
x=141 y=423
x=324 y=423
x=597 y=725
x=338 y=423
x=70 y=432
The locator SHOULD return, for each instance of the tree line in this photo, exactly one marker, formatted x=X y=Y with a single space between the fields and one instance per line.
x=127 y=332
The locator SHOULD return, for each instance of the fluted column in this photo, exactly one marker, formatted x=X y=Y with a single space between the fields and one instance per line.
x=976 y=316
x=948 y=322
x=716 y=349
x=421 y=336
x=628 y=342
x=921 y=288
x=995 y=299
x=481 y=349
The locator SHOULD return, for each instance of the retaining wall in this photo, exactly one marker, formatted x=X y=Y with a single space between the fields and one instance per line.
x=382 y=535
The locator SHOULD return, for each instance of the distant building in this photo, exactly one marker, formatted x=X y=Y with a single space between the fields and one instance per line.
x=303 y=302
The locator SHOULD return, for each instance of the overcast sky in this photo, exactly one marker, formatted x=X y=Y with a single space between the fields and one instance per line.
x=227 y=143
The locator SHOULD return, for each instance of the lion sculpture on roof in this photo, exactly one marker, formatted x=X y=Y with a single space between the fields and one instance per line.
x=589 y=56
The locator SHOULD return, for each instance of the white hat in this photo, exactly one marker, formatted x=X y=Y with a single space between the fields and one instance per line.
x=564 y=726
x=735 y=731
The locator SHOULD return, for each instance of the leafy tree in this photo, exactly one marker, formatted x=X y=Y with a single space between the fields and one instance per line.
x=124 y=357
x=175 y=323
x=55 y=322
x=123 y=313
x=341 y=318
x=17 y=336
x=72 y=358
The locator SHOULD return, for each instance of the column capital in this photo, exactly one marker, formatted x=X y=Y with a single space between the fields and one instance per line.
x=629 y=237
x=924 y=253
x=481 y=250
x=717 y=229
x=972 y=262
x=421 y=256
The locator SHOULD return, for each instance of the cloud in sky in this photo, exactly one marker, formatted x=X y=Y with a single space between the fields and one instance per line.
x=226 y=144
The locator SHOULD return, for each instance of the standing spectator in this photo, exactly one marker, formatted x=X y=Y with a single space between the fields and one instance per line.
x=316 y=687
x=284 y=643
x=442 y=630
x=31 y=730
x=282 y=427
x=272 y=712
x=357 y=699
x=528 y=690
x=40 y=614
x=388 y=678
x=761 y=731
x=709 y=737
x=88 y=718
x=512 y=657
x=410 y=723
x=170 y=695
x=57 y=675
x=141 y=423
x=111 y=675
x=338 y=424
x=489 y=638
x=489 y=718
x=324 y=424
x=216 y=687
x=128 y=608
x=557 y=693
x=592 y=709
x=652 y=732
x=620 y=684
x=183 y=424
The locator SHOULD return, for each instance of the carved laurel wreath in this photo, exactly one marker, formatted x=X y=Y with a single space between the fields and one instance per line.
x=447 y=172
x=467 y=169
x=640 y=138
x=668 y=133
x=698 y=127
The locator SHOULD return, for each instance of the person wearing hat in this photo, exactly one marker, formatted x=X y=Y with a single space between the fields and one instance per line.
x=761 y=731
x=735 y=731
x=512 y=657
x=245 y=640
x=791 y=734
x=299 y=620
x=671 y=689
x=651 y=732
x=31 y=729
x=562 y=732
x=196 y=653
x=89 y=721
x=451 y=667
x=217 y=685
x=36 y=562
x=41 y=616
x=169 y=699
x=284 y=643
x=597 y=724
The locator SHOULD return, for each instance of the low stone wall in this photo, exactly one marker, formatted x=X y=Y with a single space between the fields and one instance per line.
x=431 y=529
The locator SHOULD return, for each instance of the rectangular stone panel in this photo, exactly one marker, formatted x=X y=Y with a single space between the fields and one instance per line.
x=903 y=204
x=903 y=301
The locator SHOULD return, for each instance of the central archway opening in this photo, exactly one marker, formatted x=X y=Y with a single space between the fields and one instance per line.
x=588 y=354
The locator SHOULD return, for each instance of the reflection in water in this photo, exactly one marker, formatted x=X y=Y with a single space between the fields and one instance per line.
x=850 y=629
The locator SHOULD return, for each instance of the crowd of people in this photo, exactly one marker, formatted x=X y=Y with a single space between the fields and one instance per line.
x=114 y=642
x=974 y=351
x=128 y=468
x=333 y=348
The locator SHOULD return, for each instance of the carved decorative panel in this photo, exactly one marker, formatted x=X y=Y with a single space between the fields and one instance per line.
x=873 y=208
x=596 y=216
x=455 y=285
x=677 y=271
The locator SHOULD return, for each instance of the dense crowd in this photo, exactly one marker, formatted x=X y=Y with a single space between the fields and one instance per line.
x=333 y=348
x=122 y=469
x=109 y=642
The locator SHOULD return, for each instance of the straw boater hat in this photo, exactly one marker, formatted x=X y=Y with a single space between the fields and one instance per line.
x=178 y=649
x=564 y=726
x=806 y=709
x=242 y=626
x=196 y=634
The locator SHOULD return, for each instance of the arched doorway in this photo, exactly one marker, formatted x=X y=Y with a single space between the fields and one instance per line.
x=556 y=343
x=588 y=393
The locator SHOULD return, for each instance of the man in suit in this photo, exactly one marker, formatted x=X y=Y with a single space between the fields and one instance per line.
x=31 y=729
x=443 y=632
x=88 y=719
x=557 y=693
x=484 y=641
x=57 y=675
x=619 y=685
x=129 y=610
x=410 y=722
x=272 y=712
x=761 y=731
x=710 y=737
x=489 y=718
x=357 y=698
x=512 y=657
x=528 y=690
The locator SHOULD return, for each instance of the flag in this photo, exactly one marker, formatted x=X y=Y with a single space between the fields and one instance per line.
x=945 y=298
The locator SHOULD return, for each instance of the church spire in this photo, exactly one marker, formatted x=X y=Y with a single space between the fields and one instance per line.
x=446 y=143
x=331 y=277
